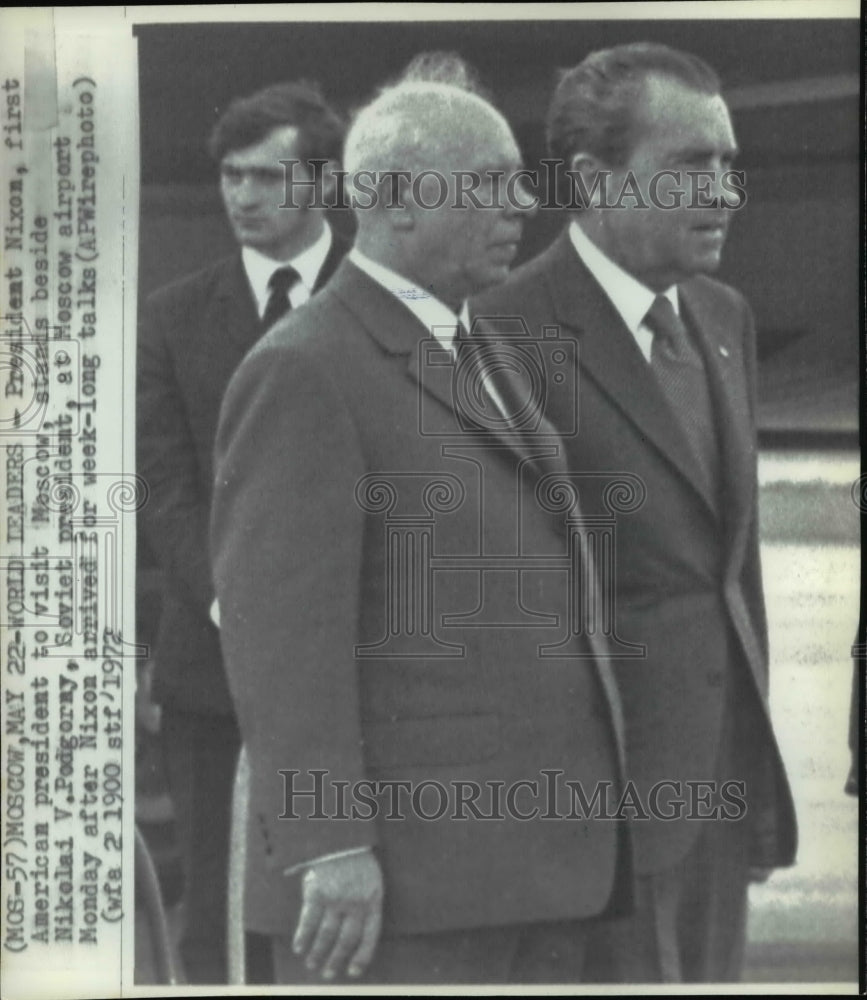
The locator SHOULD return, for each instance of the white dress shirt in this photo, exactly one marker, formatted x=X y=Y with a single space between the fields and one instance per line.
x=308 y=264
x=628 y=296
x=428 y=310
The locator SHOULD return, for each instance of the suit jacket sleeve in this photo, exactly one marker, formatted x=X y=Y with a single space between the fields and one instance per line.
x=287 y=553
x=752 y=573
x=175 y=517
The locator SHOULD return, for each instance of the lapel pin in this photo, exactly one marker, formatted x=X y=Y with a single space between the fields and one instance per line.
x=724 y=351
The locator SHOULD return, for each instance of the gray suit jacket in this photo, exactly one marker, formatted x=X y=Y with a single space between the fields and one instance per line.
x=332 y=469
x=688 y=579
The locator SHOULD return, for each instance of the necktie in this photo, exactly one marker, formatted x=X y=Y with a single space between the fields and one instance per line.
x=680 y=371
x=278 y=295
x=489 y=403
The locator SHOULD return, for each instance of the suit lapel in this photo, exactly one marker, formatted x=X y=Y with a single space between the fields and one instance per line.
x=540 y=438
x=541 y=446
x=399 y=332
x=337 y=251
x=609 y=355
x=720 y=342
x=236 y=313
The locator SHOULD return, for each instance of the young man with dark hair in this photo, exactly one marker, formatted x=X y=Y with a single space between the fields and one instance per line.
x=192 y=336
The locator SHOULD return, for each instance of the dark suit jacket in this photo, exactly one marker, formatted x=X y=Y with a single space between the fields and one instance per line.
x=192 y=336
x=332 y=395
x=688 y=582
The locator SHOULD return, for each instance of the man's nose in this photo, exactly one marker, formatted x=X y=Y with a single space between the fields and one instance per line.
x=244 y=190
x=722 y=190
x=729 y=187
x=715 y=188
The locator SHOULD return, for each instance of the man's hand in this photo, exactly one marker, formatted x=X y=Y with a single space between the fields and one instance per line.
x=341 y=914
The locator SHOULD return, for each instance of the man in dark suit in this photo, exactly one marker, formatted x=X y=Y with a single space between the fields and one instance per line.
x=192 y=336
x=382 y=564
x=667 y=393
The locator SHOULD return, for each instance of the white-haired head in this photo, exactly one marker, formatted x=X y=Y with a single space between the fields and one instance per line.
x=439 y=137
x=416 y=126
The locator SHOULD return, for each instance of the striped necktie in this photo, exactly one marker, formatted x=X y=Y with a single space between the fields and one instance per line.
x=680 y=371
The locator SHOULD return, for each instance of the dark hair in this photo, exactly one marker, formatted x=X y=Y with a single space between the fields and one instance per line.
x=444 y=67
x=248 y=120
x=592 y=107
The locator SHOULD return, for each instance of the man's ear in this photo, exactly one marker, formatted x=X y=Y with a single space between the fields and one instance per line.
x=397 y=200
x=402 y=217
x=588 y=186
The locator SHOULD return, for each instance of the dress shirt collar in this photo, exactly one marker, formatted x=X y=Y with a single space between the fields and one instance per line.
x=308 y=264
x=434 y=315
x=628 y=296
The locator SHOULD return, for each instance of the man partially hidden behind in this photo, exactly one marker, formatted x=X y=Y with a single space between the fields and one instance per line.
x=192 y=336
x=667 y=392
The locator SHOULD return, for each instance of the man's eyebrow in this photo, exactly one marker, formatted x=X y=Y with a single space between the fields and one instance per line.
x=500 y=167
x=704 y=151
x=238 y=168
